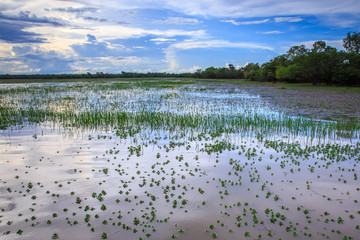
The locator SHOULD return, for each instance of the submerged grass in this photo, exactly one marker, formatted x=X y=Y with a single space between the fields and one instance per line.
x=38 y=103
x=207 y=123
x=157 y=104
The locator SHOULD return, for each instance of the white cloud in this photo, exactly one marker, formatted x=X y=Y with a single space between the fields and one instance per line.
x=108 y=64
x=5 y=50
x=288 y=19
x=33 y=59
x=16 y=67
x=271 y=32
x=162 y=40
x=178 y=21
x=243 y=8
x=247 y=22
x=277 y=20
x=61 y=39
x=183 y=70
x=217 y=44
x=124 y=32
x=171 y=51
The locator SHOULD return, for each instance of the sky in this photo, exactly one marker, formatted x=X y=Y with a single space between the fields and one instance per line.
x=111 y=36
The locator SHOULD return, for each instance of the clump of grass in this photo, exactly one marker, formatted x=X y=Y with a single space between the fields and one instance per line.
x=104 y=235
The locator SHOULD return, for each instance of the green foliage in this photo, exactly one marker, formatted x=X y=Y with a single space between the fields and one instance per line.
x=291 y=73
x=99 y=75
x=348 y=73
x=352 y=42
x=321 y=65
x=222 y=73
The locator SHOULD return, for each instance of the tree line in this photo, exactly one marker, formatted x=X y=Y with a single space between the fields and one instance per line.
x=320 y=65
x=99 y=75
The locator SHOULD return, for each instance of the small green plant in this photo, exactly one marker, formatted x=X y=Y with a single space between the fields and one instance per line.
x=247 y=234
x=340 y=220
x=104 y=235
x=214 y=235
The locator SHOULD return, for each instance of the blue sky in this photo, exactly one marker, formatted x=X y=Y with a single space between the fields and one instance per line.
x=110 y=36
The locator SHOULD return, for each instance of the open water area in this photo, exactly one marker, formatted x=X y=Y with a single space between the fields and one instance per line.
x=178 y=159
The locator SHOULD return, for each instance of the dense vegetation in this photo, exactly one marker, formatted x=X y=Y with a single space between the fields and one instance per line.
x=98 y=75
x=320 y=65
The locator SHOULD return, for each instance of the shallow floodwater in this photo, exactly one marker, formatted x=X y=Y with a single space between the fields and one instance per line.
x=93 y=183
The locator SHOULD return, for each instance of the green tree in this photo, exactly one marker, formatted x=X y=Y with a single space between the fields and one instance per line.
x=291 y=73
x=319 y=46
x=352 y=42
x=197 y=73
x=231 y=67
x=321 y=64
x=267 y=72
x=348 y=72
x=282 y=60
x=210 y=72
x=225 y=72
x=318 y=65
x=296 y=51
x=251 y=71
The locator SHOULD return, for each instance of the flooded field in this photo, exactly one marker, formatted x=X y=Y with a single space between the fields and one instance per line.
x=178 y=159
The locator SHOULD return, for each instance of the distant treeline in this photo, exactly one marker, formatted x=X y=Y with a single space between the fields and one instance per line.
x=99 y=75
x=319 y=65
